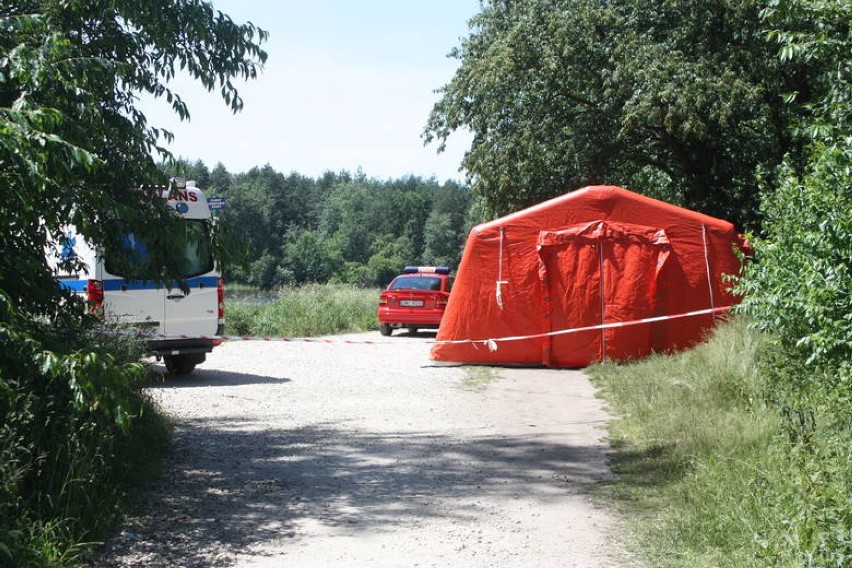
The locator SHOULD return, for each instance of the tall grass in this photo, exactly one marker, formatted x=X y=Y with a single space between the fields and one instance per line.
x=78 y=437
x=707 y=471
x=307 y=311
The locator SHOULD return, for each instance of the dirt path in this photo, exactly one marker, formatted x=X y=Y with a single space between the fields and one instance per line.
x=321 y=455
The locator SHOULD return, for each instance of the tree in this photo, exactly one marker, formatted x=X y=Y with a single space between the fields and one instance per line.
x=272 y=221
x=197 y=172
x=388 y=257
x=220 y=179
x=678 y=100
x=311 y=258
x=442 y=241
x=74 y=146
x=798 y=290
x=342 y=220
x=75 y=149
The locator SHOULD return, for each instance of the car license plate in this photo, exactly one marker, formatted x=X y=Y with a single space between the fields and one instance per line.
x=411 y=303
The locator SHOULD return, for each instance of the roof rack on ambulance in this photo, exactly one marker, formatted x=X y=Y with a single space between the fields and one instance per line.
x=175 y=183
x=183 y=183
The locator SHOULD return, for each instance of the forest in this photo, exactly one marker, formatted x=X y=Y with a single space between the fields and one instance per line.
x=284 y=230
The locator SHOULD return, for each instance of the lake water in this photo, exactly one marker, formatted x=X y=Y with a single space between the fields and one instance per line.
x=251 y=296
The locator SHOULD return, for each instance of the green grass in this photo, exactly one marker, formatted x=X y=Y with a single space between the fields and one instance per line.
x=477 y=378
x=72 y=460
x=707 y=477
x=307 y=311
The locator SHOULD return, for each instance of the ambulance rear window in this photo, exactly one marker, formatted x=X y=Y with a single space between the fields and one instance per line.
x=194 y=244
x=197 y=252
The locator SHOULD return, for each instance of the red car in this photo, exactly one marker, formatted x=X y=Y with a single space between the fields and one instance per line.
x=415 y=299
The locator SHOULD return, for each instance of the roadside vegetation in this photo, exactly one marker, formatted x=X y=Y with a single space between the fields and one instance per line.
x=307 y=311
x=713 y=471
x=70 y=462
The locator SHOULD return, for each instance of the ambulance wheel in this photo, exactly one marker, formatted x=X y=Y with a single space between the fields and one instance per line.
x=180 y=364
x=385 y=329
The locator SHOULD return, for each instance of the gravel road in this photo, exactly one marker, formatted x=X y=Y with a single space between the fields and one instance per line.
x=319 y=455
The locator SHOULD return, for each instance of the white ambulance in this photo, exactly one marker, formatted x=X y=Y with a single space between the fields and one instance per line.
x=183 y=327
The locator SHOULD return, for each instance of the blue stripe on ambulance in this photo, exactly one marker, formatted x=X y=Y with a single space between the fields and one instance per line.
x=119 y=284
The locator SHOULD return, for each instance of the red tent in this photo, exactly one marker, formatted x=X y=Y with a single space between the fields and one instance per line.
x=528 y=283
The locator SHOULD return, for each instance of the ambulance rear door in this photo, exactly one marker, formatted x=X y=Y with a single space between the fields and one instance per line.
x=194 y=312
x=133 y=297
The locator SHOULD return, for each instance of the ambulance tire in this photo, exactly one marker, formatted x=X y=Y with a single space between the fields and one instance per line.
x=180 y=364
x=385 y=329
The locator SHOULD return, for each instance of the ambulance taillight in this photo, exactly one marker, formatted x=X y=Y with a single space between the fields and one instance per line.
x=220 y=292
x=95 y=297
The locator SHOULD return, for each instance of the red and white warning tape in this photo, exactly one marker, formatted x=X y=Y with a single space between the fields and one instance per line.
x=491 y=343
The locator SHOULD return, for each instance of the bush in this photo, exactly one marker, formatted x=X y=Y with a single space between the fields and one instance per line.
x=68 y=454
x=798 y=294
x=798 y=289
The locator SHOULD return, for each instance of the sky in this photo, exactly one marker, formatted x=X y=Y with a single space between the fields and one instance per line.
x=348 y=85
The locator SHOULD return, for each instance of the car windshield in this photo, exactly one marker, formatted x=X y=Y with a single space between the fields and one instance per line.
x=416 y=283
x=196 y=257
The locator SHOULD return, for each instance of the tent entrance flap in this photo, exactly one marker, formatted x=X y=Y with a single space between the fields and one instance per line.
x=599 y=273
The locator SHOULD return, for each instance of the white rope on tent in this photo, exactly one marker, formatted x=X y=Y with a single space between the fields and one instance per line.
x=492 y=343
x=707 y=265
x=603 y=301
x=500 y=280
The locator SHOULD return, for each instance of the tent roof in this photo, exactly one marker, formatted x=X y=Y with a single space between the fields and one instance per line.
x=603 y=201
